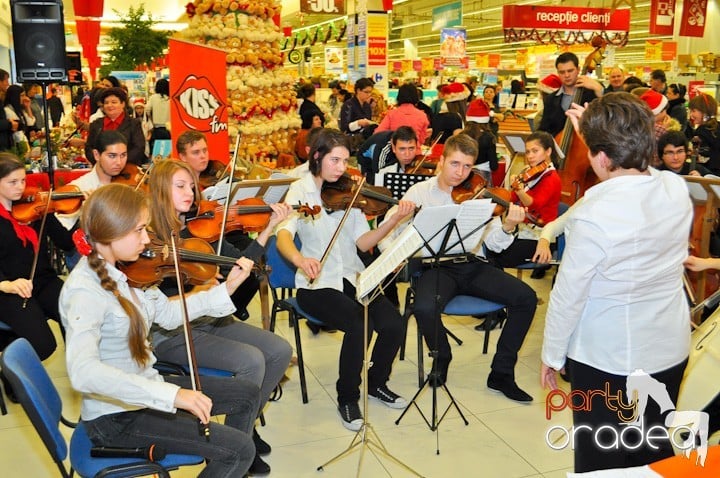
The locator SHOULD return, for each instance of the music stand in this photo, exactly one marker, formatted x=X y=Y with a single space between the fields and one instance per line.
x=369 y=286
x=461 y=227
x=399 y=183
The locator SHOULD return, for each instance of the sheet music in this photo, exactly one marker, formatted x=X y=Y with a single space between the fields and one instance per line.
x=469 y=215
x=402 y=247
x=274 y=193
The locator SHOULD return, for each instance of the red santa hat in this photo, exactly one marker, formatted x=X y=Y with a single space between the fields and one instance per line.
x=478 y=112
x=550 y=83
x=655 y=101
x=455 y=92
x=138 y=101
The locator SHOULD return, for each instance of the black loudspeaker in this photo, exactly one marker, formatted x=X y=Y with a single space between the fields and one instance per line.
x=39 y=40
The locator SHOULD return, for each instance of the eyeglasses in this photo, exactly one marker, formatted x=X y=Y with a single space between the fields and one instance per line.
x=679 y=152
x=367 y=92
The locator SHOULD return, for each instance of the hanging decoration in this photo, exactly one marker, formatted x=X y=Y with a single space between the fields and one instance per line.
x=88 y=14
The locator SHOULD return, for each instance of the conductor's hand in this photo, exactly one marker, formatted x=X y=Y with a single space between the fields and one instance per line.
x=21 y=287
x=310 y=266
x=515 y=215
x=701 y=263
x=194 y=402
x=543 y=254
x=548 y=377
x=404 y=209
x=238 y=274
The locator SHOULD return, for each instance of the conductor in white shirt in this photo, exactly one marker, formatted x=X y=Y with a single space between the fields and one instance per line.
x=618 y=303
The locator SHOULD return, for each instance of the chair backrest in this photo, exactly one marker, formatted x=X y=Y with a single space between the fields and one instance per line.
x=37 y=394
x=282 y=272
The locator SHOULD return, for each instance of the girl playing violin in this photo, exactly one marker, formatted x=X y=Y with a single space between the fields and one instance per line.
x=331 y=295
x=125 y=402
x=250 y=352
x=27 y=301
x=537 y=189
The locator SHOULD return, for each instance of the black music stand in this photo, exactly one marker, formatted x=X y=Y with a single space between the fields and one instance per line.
x=452 y=230
x=399 y=183
x=369 y=286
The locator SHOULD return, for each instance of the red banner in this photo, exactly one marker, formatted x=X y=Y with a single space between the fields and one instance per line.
x=377 y=51
x=565 y=18
x=694 y=16
x=199 y=95
x=662 y=17
x=88 y=8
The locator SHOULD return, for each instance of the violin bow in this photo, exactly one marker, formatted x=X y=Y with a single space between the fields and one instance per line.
x=189 y=344
x=427 y=153
x=229 y=196
x=145 y=175
x=33 y=268
x=336 y=234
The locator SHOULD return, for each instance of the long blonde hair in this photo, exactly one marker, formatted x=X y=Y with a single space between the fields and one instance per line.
x=110 y=213
x=163 y=217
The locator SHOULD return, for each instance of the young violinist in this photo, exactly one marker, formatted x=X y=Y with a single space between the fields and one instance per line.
x=537 y=189
x=224 y=343
x=125 y=401
x=327 y=289
x=618 y=303
x=703 y=129
x=475 y=277
x=673 y=150
x=27 y=300
x=404 y=148
x=192 y=149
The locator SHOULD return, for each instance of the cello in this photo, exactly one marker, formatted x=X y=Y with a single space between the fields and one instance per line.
x=576 y=175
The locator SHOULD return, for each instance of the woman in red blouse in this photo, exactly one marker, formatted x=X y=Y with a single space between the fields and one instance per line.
x=538 y=193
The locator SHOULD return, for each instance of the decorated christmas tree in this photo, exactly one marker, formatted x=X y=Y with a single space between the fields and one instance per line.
x=261 y=97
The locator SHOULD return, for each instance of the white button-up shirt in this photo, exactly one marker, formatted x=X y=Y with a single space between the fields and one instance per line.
x=315 y=234
x=618 y=303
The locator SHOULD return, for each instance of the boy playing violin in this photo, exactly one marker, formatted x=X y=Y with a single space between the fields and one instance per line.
x=476 y=277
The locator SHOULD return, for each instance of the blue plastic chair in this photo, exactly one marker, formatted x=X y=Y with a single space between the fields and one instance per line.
x=282 y=277
x=40 y=400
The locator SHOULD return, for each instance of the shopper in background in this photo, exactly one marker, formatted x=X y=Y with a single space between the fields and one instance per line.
x=158 y=110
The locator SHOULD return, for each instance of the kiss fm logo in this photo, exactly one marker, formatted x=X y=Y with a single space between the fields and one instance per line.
x=199 y=105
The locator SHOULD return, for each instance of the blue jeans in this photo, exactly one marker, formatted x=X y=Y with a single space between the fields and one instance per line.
x=229 y=451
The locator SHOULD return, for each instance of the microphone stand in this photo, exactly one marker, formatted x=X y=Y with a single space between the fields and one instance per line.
x=48 y=139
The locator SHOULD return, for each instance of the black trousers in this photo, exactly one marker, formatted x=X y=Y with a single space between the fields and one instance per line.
x=31 y=322
x=341 y=311
x=517 y=254
x=588 y=455
x=478 y=279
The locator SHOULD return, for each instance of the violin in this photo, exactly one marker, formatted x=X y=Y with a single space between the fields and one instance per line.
x=249 y=215
x=475 y=187
x=133 y=176
x=34 y=203
x=215 y=171
x=373 y=200
x=198 y=264
x=528 y=174
x=420 y=166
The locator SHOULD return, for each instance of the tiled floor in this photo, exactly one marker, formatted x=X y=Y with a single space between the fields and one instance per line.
x=503 y=439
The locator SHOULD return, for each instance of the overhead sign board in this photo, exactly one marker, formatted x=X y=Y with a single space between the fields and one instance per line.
x=446 y=16
x=565 y=18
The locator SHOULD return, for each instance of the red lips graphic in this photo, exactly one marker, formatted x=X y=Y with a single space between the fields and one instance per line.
x=198 y=103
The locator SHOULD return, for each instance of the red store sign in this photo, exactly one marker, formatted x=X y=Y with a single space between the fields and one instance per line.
x=565 y=18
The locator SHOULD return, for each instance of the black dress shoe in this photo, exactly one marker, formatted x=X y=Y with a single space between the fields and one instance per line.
x=314 y=328
x=539 y=272
x=506 y=385
x=261 y=446
x=495 y=322
x=258 y=467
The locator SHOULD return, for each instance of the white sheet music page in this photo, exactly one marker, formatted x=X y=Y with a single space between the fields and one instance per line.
x=468 y=215
x=276 y=194
x=402 y=247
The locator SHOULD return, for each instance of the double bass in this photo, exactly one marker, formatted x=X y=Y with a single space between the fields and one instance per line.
x=576 y=174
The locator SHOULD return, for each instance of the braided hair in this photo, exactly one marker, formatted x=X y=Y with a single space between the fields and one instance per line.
x=110 y=213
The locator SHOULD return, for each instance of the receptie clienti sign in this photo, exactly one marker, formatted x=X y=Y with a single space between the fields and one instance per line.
x=565 y=18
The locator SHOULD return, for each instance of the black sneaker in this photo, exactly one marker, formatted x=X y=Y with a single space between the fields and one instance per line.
x=351 y=416
x=261 y=446
x=387 y=397
x=258 y=467
x=506 y=385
